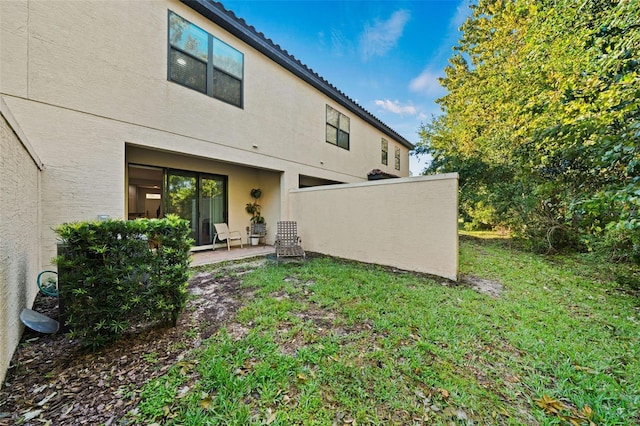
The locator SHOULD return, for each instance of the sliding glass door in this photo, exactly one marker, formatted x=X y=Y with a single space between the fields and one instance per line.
x=197 y=197
x=181 y=191
x=211 y=206
x=200 y=198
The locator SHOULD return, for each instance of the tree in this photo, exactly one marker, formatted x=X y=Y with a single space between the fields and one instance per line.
x=541 y=120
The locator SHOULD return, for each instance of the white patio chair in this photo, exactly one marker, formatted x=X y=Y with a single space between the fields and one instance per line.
x=223 y=233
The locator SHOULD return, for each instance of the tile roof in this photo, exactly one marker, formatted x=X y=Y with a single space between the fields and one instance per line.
x=226 y=19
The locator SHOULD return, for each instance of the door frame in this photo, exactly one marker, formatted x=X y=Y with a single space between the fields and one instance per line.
x=199 y=176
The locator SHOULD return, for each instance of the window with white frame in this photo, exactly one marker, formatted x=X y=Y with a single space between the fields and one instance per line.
x=338 y=126
x=397 y=158
x=204 y=63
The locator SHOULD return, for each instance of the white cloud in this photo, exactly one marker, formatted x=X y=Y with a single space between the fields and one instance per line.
x=462 y=13
x=427 y=83
x=396 y=107
x=378 y=38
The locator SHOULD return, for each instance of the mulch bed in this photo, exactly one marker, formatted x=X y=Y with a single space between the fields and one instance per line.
x=54 y=380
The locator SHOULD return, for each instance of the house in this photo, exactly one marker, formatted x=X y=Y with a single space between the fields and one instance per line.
x=139 y=109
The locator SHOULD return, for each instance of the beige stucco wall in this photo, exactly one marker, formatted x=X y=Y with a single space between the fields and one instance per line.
x=109 y=59
x=82 y=180
x=86 y=79
x=408 y=223
x=19 y=233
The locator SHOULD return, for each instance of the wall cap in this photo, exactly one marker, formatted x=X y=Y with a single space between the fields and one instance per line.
x=395 y=181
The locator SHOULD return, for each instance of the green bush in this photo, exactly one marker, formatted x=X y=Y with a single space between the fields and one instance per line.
x=118 y=274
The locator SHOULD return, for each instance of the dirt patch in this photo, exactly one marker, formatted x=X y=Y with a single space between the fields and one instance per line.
x=53 y=380
x=489 y=287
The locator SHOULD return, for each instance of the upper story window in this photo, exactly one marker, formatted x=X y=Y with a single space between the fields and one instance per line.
x=397 y=158
x=385 y=151
x=338 y=126
x=204 y=63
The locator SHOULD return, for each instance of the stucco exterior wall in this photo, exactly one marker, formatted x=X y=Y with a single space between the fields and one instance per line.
x=19 y=236
x=82 y=180
x=109 y=59
x=86 y=79
x=369 y=226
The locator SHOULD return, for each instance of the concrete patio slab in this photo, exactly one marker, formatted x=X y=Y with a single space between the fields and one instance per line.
x=206 y=257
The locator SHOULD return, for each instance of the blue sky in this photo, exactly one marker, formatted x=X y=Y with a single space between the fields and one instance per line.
x=386 y=55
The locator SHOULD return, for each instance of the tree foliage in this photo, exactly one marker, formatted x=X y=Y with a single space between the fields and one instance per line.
x=541 y=121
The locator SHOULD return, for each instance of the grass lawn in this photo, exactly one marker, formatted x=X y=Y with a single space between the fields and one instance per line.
x=330 y=342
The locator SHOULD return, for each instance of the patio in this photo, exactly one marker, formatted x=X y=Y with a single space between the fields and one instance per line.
x=205 y=257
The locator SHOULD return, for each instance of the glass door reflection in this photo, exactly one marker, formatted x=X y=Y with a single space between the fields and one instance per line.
x=181 y=199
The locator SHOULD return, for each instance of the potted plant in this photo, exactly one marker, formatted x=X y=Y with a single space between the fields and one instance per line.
x=258 y=225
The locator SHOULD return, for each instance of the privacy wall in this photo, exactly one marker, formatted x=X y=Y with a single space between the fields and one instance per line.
x=19 y=233
x=407 y=223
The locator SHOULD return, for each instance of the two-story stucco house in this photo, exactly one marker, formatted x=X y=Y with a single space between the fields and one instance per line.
x=111 y=109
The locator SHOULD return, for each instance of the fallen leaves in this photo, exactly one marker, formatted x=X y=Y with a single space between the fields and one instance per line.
x=271 y=416
x=182 y=392
x=30 y=415
x=567 y=413
x=436 y=403
x=512 y=378
x=47 y=398
x=185 y=367
x=342 y=419
x=168 y=413
x=585 y=369
x=53 y=378
x=550 y=405
x=443 y=392
x=206 y=402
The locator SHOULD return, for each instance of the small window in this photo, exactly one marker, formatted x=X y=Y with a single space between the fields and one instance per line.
x=385 y=151
x=338 y=127
x=201 y=62
x=397 y=158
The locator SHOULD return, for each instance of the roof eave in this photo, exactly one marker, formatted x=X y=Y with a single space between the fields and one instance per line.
x=237 y=27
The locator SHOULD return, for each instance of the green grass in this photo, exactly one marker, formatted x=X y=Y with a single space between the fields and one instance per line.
x=344 y=343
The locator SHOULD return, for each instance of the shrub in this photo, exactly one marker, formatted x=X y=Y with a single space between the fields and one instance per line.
x=117 y=274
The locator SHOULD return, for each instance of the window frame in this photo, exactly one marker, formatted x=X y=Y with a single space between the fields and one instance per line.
x=339 y=128
x=212 y=70
x=384 y=147
x=397 y=158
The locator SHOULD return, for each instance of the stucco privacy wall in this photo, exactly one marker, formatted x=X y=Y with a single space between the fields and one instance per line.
x=19 y=232
x=407 y=223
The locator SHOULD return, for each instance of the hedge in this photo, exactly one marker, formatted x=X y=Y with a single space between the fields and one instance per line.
x=116 y=275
